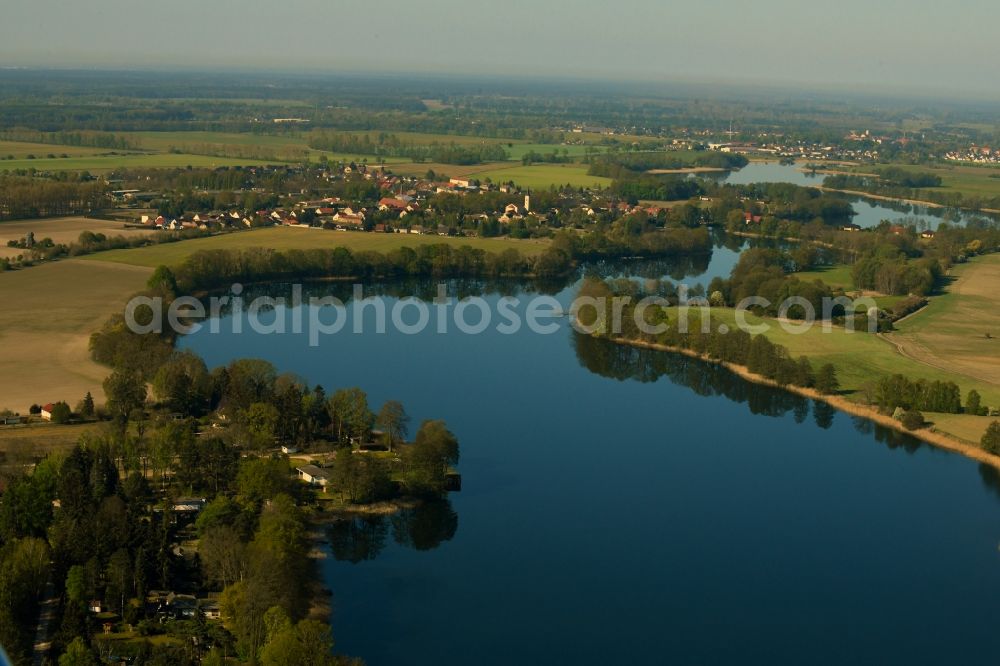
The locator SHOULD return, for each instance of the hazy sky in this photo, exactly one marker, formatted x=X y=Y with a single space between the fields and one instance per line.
x=925 y=45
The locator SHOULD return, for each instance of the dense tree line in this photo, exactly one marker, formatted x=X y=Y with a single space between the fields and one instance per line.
x=634 y=235
x=897 y=391
x=555 y=156
x=656 y=188
x=210 y=269
x=763 y=272
x=70 y=138
x=389 y=145
x=619 y=165
x=905 y=178
x=704 y=337
x=27 y=197
x=888 y=270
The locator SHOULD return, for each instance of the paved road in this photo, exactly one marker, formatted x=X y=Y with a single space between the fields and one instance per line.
x=46 y=620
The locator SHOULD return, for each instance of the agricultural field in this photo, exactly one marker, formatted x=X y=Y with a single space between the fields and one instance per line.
x=960 y=329
x=181 y=149
x=285 y=238
x=519 y=150
x=19 y=150
x=164 y=141
x=427 y=138
x=110 y=161
x=445 y=171
x=26 y=443
x=945 y=341
x=62 y=229
x=543 y=176
x=859 y=357
x=50 y=311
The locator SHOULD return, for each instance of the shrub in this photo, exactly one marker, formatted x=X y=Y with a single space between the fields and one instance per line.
x=912 y=420
x=61 y=412
x=991 y=439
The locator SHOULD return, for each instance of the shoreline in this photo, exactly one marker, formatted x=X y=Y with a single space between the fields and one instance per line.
x=911 y=202
x=320 y=596
x=935 y=438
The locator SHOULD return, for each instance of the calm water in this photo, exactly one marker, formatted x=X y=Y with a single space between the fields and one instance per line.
x=869 y=211
x=642 y=508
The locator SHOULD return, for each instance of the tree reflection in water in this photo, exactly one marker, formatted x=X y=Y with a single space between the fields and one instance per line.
x=423 y=527
x=622 y=362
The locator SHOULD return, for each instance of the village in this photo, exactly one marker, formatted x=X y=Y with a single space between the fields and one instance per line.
x=409 y=205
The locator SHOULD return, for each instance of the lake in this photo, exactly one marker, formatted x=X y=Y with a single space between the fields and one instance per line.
x=869 y=211
x=635 y=507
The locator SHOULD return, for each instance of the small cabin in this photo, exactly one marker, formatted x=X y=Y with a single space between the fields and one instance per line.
x=313 y=475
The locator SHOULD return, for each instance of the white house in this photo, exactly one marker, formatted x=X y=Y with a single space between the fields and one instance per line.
x=313 y=475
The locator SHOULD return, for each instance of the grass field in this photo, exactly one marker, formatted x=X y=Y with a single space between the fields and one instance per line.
x=427 y=138
x=163 y=141
x=860 y=357
x=62 y=229
x=519 y=150
x=544 y=176
x=27 y=442
x=21 y=149
x=837 y=275
x=182 y=149
x=969 y=180
x=951 y=331
x=105 y=162
x=945 y=342
x=283 y=238
x=49 y=313
x=445 y=171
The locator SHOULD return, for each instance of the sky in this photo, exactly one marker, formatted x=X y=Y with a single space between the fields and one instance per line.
x=925 y=46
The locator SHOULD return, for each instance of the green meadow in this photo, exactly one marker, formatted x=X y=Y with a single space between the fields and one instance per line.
x=545 y=175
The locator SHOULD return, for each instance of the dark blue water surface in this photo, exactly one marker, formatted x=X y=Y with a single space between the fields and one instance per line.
x=640 y=507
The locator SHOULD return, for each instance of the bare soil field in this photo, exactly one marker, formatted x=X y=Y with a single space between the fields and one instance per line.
x=49 y=312
x=61 y=230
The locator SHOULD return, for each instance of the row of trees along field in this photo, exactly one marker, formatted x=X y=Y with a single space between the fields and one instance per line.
x=627 y=164
x=208 y=269
x=904 y=184
x=758 y=354
x=389 y=145
x=89 y=139
x=73 y=194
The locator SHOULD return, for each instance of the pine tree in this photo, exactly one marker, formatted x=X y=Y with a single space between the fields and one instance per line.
x=826 y=380
x=87 y=407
